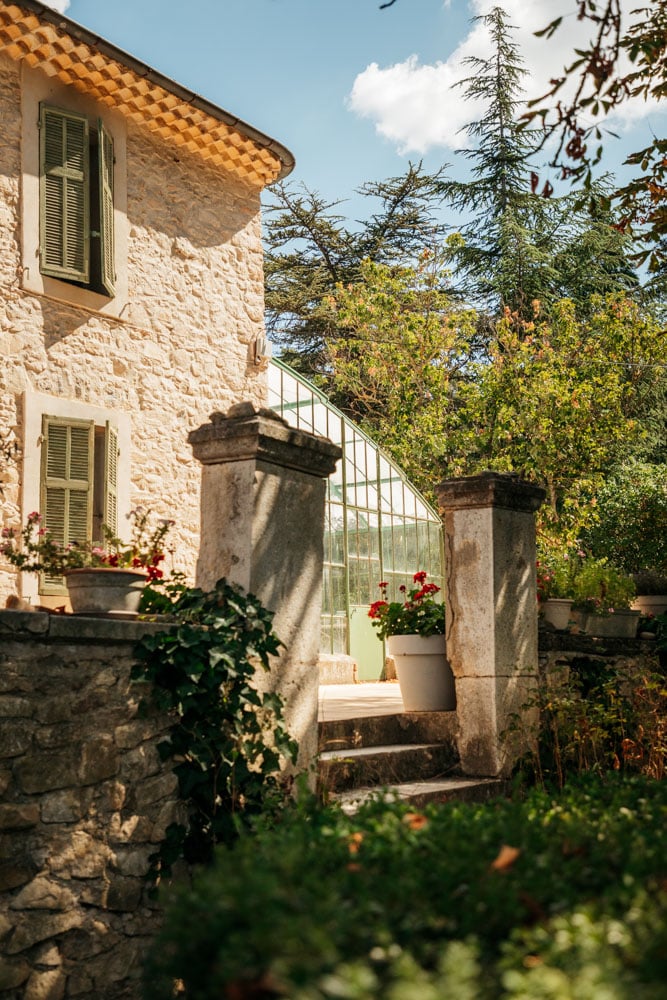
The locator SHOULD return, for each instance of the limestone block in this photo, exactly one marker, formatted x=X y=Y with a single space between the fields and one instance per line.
x=133 y=862
x=99 y=760
x=16 y=872
x=66 y=806
x=46 y=772
x=488 y=709
x=155 y=789
x=133 y=733
x=15 y=737
x=143 y=762
x=133 y=829
x=124 y=894
x=12 y=974
x=48 y=985
x=15 y=708
x=18 y=817
x=112 y=796
x=80 y=855
x=43 y=894
x=36 y=927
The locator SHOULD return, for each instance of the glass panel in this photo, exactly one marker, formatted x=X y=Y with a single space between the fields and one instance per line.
x=338 y=601
x=340 y=630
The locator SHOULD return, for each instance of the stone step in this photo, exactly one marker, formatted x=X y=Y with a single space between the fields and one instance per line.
x=420 y=793
x=380 y=766
x=383 y=730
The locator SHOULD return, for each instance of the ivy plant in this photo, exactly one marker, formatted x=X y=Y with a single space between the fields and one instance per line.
x=228 y=740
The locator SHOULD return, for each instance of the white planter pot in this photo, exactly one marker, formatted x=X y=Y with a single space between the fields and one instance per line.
x=424 y=676
x=105 y=590
x=650 y=604
x=556 y=611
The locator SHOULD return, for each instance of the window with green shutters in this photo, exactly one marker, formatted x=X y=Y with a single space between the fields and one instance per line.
x=76 y=238
x=79 y=476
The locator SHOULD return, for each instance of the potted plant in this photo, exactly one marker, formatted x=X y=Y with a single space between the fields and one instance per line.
x=651 y=587
x=103 y=578
x=556 y=574
x=414 y=629
x=603 y=595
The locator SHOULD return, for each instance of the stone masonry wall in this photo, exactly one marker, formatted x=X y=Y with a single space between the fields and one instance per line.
x=85 y=800
x=182 y=345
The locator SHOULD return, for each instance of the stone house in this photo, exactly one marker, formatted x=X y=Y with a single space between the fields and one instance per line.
x=131 y=281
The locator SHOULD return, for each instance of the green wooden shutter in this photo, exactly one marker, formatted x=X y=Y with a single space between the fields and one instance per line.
x=105 y=166
x=111 y=478
x=64 y=194
x=66 y=501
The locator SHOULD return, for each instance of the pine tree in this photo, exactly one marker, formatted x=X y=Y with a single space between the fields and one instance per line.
x=310 y=248
x=516 y=245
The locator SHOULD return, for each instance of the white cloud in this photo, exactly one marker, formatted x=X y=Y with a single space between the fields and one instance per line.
x=59 y=5
x=416 y=106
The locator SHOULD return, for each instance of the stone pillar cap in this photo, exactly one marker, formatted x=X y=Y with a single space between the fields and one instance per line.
x=490 y=489
x=249 y=432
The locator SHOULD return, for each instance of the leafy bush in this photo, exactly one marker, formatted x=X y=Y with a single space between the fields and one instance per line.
x=631 y=513
x=595 y=716
x=460 y=900
x=228 y=740
x=600 y=587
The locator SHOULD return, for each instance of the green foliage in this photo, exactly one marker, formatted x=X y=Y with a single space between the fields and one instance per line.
x=417 y=614
x=601 y=588
x=548 y=897
x=310 y=248
x=228 y=740
x=558 y=400
x=630 y=523
x=518 y=246
x=625 y=58
x=594 y=716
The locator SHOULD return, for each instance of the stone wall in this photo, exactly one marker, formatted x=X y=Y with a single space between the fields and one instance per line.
x=85 y=801
x=557 y=650
x=182 y=345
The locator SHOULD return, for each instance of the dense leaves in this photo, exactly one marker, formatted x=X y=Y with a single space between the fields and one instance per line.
x=474 y=896
x=309 y=248
x=228 y=740
x=603 y=84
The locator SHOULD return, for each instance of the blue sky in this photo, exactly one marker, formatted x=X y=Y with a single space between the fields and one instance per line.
x=353 y=91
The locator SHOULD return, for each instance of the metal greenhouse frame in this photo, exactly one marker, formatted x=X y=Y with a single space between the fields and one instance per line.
x=377 y=525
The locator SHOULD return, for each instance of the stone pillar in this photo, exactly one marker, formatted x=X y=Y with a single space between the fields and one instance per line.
x=491 y=617
x=262 y=526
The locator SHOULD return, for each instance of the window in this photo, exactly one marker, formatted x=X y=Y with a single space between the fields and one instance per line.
x=76 y=197
x=78 y=483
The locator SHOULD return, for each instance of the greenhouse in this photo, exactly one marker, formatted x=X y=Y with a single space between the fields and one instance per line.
x=377 y=525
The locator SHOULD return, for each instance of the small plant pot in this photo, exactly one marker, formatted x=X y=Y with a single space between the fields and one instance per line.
x=424 y=675
x=556 y=611
x=105 y=590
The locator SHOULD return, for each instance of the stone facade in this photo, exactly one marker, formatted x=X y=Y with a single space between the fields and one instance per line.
x=180 y=345
x=85 y=801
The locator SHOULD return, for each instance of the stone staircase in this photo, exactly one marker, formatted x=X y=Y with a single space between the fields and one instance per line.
x=411 y=755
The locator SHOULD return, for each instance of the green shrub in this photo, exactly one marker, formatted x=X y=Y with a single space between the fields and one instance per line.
x=630 y=517
x=393 y=903
x=595 y=715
